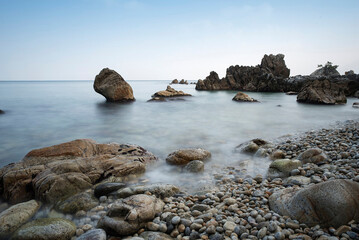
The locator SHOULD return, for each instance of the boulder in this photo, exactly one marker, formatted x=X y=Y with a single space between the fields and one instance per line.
x=175 y=81
x=312 y=155
x=93 y=234
x=149 y=235
x=81 y=201
x=242 y=97
x=112 y=86
x=356 y=105
x=275 y=64
x=46 y=229
x=54 y=173
x=281 y=168
x=104 y=189
x=130 y=214
x=168 y=93
x=12 y=218
x=159 y=190
x=278 y=154
x=1 y=111
x=183 y=82
x=194 y=166
x=329 y=204
x=297 y=180
x=322 y=91
x=184 y=156
x=251 y=146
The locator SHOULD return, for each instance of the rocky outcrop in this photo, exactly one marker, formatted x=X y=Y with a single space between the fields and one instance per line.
x=184 y=156
x=130 y=214
x=175 y=81
x=326 y=70
x=12 y=218
x=267 y=77
x=53 y=173
x=183 y=82
x=322 y=91
x=331 y=203
x=46 y=229
x=81 y=201
x=168 y=93
x=242 y=97
x=112 y=86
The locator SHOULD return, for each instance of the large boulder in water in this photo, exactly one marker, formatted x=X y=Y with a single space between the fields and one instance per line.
x=112 y=86
x=322 y=91
x=12 y=218
x=242 y=97
x=130 y=214
x=54 y=173
x=184 y=156
x=332 y=203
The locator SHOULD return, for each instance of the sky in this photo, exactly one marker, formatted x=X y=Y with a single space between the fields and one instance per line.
x=167 y=39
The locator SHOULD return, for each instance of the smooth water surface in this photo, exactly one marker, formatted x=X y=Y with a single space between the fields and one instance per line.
x=40 y=114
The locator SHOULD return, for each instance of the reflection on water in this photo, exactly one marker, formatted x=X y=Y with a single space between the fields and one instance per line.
x=40 y=114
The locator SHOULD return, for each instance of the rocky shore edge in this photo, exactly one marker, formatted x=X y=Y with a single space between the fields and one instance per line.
x=315 y=199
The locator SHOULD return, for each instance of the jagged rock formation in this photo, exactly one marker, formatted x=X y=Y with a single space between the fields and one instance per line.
x=112 y=86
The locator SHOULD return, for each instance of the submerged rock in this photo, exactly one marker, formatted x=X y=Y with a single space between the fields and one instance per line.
x=46 y=229
x=12 y=218
x=81 y=201
x=175 y=81
x=332 y=203
x=53 y=173
x=130 y=214
x=168 y=93
x=195 y=166
x=112 y=86
x=242 y=97
x=251 y=146
x=94 y=234
x=159 y=190
x=322 y=91
x=104 y=189
x=281 y=168
x=184 y=156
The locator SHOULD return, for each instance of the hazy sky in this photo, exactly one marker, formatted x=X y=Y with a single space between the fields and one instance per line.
x=167 y=39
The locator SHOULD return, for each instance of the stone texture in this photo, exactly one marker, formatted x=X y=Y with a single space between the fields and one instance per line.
x=195 y=166
x=159 y=190
x=12 y=218
x=104 y=189
x=112 y=86
x=251 y=146
x=94 y=234
x=168 y=93
x=322 y=91
x=81 y=201
x=46 y=229
x=184 y=156
x=53 y=173
x=148 y=235
x=242 y=97
x=331 y=203
x=130 y=214
x=281 y=168
x=312 y=155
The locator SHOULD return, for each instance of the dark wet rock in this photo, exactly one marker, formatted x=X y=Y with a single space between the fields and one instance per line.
x=322 y=91
x=331 y=203
x=159 y=190
x=46 y=229
x=278 y=154
x=356 y=105
x=12 y=218
x=148 y=235
x=267 y=77
x=195 y=166
x=53 y=173
x=130 y=214
x=183 y=82
x=81 y=201
x=112 y=86
x=350 y=72
x=94 y=234
x=242 y=97
x=252 y=146
x=168 y=93
x=356 y=94
x=184 y=156
x=104 y=189
x=313 y=155
x=291 y=93
x=282 y=168
x=1 y=111
x=175 y=81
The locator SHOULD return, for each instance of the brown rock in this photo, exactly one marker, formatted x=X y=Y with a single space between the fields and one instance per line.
x=276 y=65
x=112 y=86
x=184 y=156
x=53 y=173
x=312 y=155
x=331 y=203
x=170 y=92
x=175 y=81
x=322 y=91
x=242 y=97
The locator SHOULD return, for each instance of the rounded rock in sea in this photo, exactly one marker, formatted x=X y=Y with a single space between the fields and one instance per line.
x=195 y=166
x=184 y=156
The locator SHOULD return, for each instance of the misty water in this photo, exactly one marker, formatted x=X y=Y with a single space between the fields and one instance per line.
x=40 y=114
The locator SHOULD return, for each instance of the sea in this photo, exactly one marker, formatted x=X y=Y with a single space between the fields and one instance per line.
x=45 y=113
